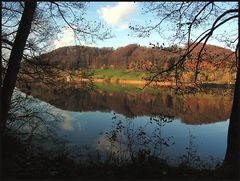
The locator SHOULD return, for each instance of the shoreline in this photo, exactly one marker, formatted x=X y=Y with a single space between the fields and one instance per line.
x=143 y=82
x=120 y=81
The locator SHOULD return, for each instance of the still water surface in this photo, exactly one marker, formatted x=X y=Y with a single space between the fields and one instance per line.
x=119 y=118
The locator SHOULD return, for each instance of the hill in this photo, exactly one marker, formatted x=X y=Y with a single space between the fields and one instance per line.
x=217 y=63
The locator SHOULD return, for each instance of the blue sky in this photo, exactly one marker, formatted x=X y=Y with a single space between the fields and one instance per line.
x=118 y=16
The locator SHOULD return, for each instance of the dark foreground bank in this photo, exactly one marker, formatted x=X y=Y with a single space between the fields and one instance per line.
x=21 y=161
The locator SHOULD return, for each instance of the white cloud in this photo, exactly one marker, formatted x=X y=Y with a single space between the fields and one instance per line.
x=67 y=38
x=118 y=15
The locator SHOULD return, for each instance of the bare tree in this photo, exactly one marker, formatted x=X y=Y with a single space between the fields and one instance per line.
x=183 y=20
x=15 y=59
x=28 y=30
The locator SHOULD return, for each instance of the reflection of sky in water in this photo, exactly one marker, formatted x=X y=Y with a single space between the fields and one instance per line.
x=210 y=139
x=85 y=128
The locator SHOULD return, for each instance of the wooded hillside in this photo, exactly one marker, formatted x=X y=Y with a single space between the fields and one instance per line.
x=217 y=63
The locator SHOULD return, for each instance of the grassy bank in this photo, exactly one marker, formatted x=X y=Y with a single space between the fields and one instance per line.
x=123 y=74
x=129 y=76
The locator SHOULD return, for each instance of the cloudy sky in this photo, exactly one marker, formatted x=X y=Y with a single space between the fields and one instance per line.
x=117 y=16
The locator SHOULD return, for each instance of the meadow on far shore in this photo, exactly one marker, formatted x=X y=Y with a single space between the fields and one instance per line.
x=128 y=76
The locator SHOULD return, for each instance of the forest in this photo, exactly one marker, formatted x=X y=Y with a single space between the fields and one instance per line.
x=217 y=62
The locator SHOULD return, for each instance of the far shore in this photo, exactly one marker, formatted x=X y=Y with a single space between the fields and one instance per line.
x=144 y=82
x=121 y=81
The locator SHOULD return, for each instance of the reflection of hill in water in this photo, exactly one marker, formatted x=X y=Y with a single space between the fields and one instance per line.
x=191 y=109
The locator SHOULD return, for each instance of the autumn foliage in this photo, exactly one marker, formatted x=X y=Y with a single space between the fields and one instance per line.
x=216 y=63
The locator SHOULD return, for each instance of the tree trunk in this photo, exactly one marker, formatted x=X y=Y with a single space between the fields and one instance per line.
x=231 y=161
x=1 y=74
x=1 y=106
x=10 y=79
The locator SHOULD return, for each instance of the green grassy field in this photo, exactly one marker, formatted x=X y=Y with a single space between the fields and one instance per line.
x=127 y=74
x=123 y=74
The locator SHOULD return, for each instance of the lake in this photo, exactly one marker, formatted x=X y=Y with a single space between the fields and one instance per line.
x=123 y=120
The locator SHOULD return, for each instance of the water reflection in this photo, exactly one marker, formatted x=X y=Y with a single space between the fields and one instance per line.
x=191 y=109
x=140 y=127
x=126 y=141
